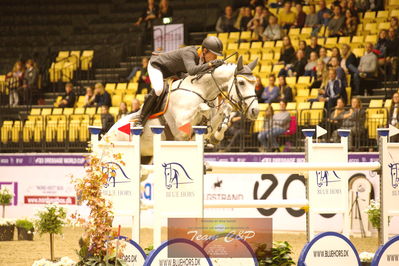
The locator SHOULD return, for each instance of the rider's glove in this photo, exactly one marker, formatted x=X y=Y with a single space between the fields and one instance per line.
x=216 y=63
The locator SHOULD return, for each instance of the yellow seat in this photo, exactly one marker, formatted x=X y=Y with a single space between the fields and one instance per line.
x=68 y=111
x=28 y=131
x=232 y=47
x=15 y=132
x=302 y=95
x=263 y=107
x=79 y=111
x=383 y=14
x=110 y=87
x=128 y=99
x=132 y=88
x=291 y=81
x=276 y=107
x=35 y=111
x=388 y=103
x=121 y=86
x=331 y=42
x=265 y=69
x=277 y=68
x=384 y=26
x=376 y=103
x=359 y=52
x=291 y=107
x=370 y=15
x=62 y=55
x=46 y=111
x=140 y=97
x=344 y=40
x=90 y=111
x=357 y=39
x=73 y=130
x=234 y=36
x=294 y=32
x=375 y=120
x=303 y=109
x=314 y=93
x=6 y=129
x=57 y=111
x=371 y=28
x=244 y=47
x=306 y=32
x=86 y=59
x=246 y=35
x=116 y=100
x=371 y=38
x=395 y=12
x=256 y=45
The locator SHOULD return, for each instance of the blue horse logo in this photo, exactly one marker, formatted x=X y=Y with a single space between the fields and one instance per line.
x=110 y=168
x=325 y=177
x=394 y=174
x=173 y=172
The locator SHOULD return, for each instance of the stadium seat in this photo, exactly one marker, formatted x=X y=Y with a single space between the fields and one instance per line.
x=291 y=107
x=81 y=101
x=303 y=113
x=68 y=111
x=357 y=39
x=369 y=16
x=110 y=87
x=131 y=88
x=376 y=103
x=90 y=111
x=121 y=86
x=231 y=48
x=128 y=99
x=344 y=40
x=46 y=111
x=370 y=28
x=316 y=113
x=246 y=35
x=384 y=26
x=6 y=129
x=302 y=95
x=359 y=52
x=86 y=59
x=116 y=100
x=306 y=32
x=35 y=111
x=244 y=47
x=57 y=111
x=331 y=42
x=16 y=129
x=388 y=103
x=234 y=37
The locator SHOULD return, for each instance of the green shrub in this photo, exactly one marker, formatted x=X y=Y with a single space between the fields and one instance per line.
x=25 y=223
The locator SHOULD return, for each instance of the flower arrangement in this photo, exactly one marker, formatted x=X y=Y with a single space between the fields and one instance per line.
x=5 y=198
x=7 y=222
x=25 y=229
x=374 y=213
x=51 y=220
x=280 y=254
x=366 y=256
x=64 y=261
x=98 y=226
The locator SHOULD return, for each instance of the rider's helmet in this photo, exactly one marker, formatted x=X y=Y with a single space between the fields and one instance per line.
x=213 y=44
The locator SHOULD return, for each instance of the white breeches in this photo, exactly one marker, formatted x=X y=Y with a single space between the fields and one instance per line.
x=156 y=78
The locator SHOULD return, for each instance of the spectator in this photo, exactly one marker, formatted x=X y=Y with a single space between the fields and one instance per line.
x=392 y=51
x=286 y=17
x=14 y=80
x=107 y=120
x=353 y=8
x=266 y=14
x=281 y=123
x=395 y=24
x=122 y=110
x=273 y=31
x=239 y=18
x=300 y=17
x=333 y=89
x=148 y=15
x=135 y=105
x=324 y=14
x=363 y=5
x=270 y=93
x=287 y=52
x=321 y=75
x=337 y=116
x=286 y=94
x=69 y=98
x=303 y=46
x=311 y=18
x=89 y=97
x=258 y=87
x=254 y=3
x=353 y=120
x=268 y=120
x=310 y=68
x=382 y=46
x=313 y=47
x=257 y=16
x=102 y=97
x=367 y=69
x=336 y=24
x=237 y=128
x=335 y=52
x=226 y=22
x=349 y=61
x=144 y=79
x=323 y=55
x=256 y=24
x=297 y=68
x=165 y=10
x=334 y=64
x=30 y=86
x=344 y=5
x=394 y=113
x=246 y=19
x=350 y=26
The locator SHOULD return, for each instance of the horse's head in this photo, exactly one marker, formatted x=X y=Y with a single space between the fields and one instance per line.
x=241 y=89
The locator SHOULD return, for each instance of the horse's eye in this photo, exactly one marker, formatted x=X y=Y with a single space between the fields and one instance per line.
x=241 y=83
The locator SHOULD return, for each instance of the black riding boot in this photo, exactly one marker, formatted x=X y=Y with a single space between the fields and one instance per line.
x=148 y=105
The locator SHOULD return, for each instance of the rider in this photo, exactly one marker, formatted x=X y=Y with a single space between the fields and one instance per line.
x=184 y=60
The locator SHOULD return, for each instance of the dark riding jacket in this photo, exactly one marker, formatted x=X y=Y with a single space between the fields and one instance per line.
x=183 y=60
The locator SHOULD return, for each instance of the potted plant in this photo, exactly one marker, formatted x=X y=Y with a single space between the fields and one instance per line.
x=7 y=229
x=25 y=229
x=51 y=220
x=374 y=215
x=280 y=254
x=366 y=258
x=5 y=199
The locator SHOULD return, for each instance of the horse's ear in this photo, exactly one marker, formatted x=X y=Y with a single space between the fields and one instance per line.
x=253 y=64
x=240 y=65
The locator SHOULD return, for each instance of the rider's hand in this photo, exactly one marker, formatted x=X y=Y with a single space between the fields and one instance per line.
x=216 y=63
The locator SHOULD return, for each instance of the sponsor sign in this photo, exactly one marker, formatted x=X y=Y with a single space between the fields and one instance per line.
x=132 y=253
x=168 y=37
x=387 y=254
x=327 y=249
x=222 y=237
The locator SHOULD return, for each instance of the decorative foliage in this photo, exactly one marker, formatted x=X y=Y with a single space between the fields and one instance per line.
x=374 y=212
x=98 y=226
x=366 y=256
x=7 y=222
x=25 y=223
x=5 y=196
x=280 y=254
x=51 y=220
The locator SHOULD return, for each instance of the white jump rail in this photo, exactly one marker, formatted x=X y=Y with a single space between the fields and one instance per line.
x=274 y=168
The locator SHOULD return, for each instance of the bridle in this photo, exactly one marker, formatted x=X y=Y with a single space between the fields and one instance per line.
x=237 y=104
